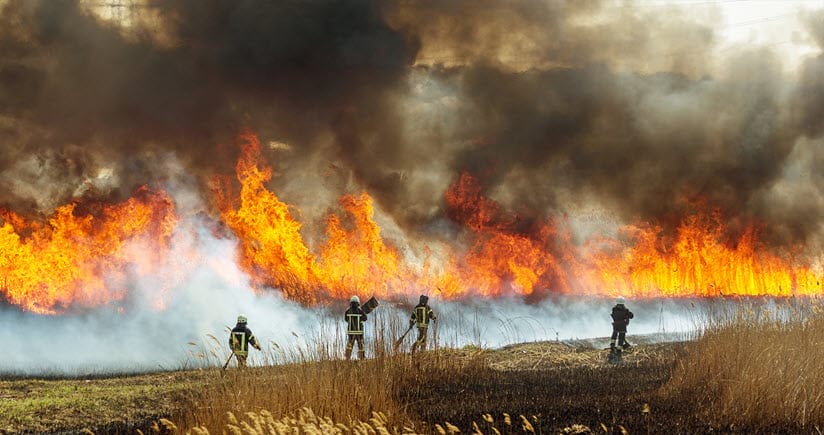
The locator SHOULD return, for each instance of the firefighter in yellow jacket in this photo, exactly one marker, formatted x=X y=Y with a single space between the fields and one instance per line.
x=239 y=340
x=421 y=316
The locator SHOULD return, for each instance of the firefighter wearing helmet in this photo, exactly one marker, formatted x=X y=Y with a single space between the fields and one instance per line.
x=355 y=318
x=620 y=319
x=239 y=340
x=421 y=316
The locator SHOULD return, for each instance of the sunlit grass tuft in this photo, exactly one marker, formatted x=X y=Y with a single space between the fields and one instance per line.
x=759 y=364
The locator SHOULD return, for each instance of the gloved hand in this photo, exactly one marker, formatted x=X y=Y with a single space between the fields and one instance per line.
x=257 y=346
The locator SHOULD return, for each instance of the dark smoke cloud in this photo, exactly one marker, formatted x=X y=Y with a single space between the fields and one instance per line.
x=70 y=79
x=638 y=141
x=810 y=93
x=796 y=203
x=543 y=101
x=523 y=34
x=632 y=111
x=85 y=86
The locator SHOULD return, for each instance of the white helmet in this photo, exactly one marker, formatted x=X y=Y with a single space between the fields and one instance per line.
x=620 y=300
x=241 y=319
x=354 y=299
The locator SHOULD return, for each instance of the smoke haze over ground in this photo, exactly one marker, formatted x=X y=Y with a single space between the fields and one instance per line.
x=603 y=112
x=192 y=328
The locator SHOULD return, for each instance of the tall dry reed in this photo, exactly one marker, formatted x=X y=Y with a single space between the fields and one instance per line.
x=317 y=377
x=305 y=421
x=759 y=363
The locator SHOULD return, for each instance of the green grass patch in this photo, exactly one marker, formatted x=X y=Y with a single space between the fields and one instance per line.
x=33 y=405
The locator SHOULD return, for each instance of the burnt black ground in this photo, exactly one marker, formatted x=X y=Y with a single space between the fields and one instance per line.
x=608 y=398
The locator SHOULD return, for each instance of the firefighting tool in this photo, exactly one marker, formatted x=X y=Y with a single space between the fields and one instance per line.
x=370 y=305
x=227 y=361
x=400 y=339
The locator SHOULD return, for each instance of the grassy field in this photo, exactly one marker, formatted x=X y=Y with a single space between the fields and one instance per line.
x=553 y=385
x=105 y=405
x=407 y=392
x=754 y=370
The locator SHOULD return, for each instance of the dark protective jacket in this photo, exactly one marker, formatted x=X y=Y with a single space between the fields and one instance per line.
x=354 y=319
x=421 y=315
x=240 y=338
x=620 y=317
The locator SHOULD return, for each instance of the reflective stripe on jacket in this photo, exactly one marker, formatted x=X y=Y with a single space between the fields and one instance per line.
x=354 y=320
x=239 y=340
x=422 y=315
x=354 y=324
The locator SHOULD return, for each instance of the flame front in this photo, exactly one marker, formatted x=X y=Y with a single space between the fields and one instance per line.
x=501 y=260
x=275 y=255
x=273 y=251
x=82 y=260
x=697 y=263
x=91 y=259
x=499 y=257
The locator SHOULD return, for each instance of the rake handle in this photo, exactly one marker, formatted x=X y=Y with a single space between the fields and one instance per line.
x=227 y=361
x=400 y=339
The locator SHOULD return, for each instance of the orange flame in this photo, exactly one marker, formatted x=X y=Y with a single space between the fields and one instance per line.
x=500 y=258
x=81 y=260
x=358 y=259
x=272 y=248
x=353 y=260
x=697 y=263
x=90 y=259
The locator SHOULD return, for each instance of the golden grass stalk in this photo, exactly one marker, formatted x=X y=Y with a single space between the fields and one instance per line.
x=759 y=364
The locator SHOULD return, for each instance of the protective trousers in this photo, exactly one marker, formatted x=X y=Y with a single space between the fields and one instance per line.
x=241 y=360
x=420 y=343
x=621 y=334
x=353 y=340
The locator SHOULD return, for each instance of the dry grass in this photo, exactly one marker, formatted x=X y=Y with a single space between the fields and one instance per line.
x=755 y=367
x=758 y=365
x=305 y=421
x=466 y=387
x=317 y=378
x=554 y=355
x=383 y=391
x=46 y=406
x=385 y=394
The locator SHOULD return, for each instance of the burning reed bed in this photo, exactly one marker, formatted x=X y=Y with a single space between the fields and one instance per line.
x=758 y=366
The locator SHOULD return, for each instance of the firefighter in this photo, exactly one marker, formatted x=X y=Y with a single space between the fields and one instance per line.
x=239 y=340
x=620 y=319
x=355 y=318
x=421 y=316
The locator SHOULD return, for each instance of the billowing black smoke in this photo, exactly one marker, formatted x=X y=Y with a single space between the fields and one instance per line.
x=545 y=104
x=78 y=95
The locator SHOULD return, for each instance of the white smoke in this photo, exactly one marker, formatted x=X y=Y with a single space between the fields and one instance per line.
x=187 y=325
x=195 y=322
